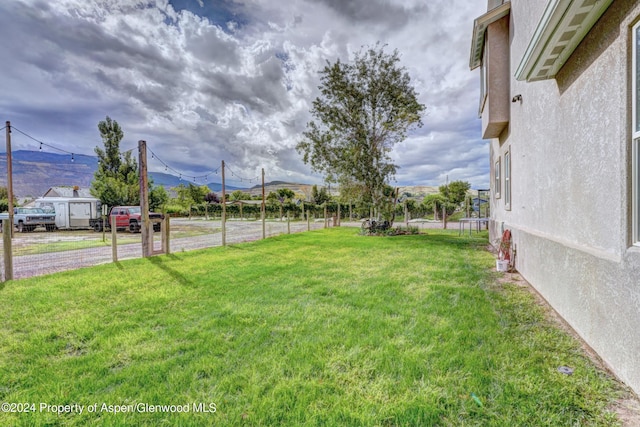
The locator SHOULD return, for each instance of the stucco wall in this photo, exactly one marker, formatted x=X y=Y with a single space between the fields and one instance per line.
x=495 y=115
x=569 y=140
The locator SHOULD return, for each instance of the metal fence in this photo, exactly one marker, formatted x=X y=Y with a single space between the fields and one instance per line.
x=42 y=252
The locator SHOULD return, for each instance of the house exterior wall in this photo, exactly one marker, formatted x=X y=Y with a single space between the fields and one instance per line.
x=570 y=214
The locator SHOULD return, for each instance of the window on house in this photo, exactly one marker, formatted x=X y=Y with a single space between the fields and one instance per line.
x=507 y=180
x=636 y=135
x=497 y=177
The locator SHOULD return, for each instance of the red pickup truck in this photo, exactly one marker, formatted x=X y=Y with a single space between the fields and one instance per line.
x=130 y=218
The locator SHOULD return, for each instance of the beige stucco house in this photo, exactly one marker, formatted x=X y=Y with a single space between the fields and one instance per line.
x=560 y=85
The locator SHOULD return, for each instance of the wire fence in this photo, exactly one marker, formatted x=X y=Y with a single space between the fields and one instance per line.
x=33 y=248
x=41 y=252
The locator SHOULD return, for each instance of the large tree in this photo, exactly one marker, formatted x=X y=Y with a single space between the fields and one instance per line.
x=116 y=181
x=319 y=196
x=453 y=194
x=190 y=194
x=365 y=107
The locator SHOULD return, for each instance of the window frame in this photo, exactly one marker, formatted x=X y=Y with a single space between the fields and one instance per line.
x=635 y=134
x=507 y=179
x=497 y=178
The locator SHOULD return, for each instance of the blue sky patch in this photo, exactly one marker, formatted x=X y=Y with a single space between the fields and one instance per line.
x=218 y=12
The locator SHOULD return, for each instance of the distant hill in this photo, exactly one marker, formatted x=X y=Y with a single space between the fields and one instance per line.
x=418 y=191
x=170 y=181
x=34 y=172
x=276 y=185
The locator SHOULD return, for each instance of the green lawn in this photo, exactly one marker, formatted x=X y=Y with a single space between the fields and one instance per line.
x=325 y=328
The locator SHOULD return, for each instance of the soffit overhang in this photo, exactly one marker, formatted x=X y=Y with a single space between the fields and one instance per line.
x=480 y=25
x=562 y=27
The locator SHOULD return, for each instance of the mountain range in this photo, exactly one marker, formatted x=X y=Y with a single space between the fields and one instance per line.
x=34 y=172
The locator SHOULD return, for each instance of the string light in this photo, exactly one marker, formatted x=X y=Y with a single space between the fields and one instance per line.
x=168 y=168
x=241 y=178
x=154 y=156
x=43 y=143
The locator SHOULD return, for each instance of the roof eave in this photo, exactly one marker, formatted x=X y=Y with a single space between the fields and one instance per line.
x=480 y=25
x=562 y=27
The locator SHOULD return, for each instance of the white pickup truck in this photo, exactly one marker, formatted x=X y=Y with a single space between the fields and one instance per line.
x=27 y=219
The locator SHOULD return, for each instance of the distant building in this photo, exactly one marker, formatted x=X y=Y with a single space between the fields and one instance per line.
x=74 y=191
x=560 y=102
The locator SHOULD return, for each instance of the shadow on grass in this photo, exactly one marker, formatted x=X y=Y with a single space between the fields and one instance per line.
x=444 y=238
x=179 y=277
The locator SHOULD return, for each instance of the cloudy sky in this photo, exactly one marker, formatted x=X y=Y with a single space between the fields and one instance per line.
x=209 y=80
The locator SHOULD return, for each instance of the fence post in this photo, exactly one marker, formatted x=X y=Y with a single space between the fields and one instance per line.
x=114 y=239
x=10 y=201
x=308 y=221
x=223 y=218
x=288 y=224
x=326 y=220
x=7 y=228
x=166 y=246
x=444 y=217
x=406 y=214
x=145 y=229
x=264 y=207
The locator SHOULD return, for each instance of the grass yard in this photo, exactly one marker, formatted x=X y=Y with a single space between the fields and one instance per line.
x=326 y=328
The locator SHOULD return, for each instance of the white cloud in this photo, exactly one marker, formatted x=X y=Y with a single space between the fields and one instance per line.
x=199 y=93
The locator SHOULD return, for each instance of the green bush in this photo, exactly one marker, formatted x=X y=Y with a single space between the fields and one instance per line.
x=176 y=210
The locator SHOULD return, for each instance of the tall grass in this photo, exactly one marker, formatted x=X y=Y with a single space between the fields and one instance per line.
x=323 y=328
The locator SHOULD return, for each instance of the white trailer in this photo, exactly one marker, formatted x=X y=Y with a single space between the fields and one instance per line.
x=72 y=212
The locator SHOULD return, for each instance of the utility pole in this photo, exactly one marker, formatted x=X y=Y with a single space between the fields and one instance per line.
x=224 y=210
